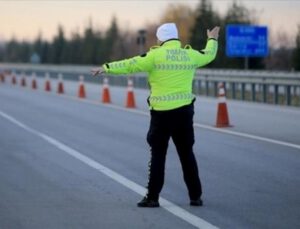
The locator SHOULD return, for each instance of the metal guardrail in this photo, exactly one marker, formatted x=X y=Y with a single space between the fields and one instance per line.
x=258 y=86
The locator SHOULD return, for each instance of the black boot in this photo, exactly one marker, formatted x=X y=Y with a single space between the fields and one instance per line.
x=197 y=202
x=148 y=203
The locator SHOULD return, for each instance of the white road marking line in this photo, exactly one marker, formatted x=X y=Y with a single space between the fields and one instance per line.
x=167 y=205
x=202 y=126
x=240 y=134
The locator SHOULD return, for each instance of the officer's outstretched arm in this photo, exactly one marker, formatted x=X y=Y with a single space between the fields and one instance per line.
x=209 y=53
x=143 y=63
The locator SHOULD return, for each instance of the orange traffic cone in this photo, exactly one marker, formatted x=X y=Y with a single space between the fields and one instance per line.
x=105 y=91
x=47 y=82
x=130 y=103
x=81 y=89
x=60 y=85
x=23 y=80
x=33 y=82
x=222 y=113
x=13 y=79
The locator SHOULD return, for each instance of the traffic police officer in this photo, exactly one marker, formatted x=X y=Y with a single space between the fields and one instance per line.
x=171 y=70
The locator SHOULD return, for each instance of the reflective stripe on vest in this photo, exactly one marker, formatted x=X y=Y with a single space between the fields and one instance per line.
x=172 y=97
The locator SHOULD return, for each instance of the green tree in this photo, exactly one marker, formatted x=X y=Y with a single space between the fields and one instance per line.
x=99 y=51
x=75 y=47
x=92 y=42
x=11 y=51
x=58 y=47
x=237 y=14
x=2 y=52
x=25 y=51
x=45 y=52
x=111 y=39
x=37 y=44
x=17 y=51
x=44 y=49
x=296 y=52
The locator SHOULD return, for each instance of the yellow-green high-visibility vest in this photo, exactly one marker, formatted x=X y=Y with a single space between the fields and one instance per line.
x=170 y=69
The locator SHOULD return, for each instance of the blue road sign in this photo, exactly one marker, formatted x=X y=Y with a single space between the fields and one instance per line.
x=246 y=41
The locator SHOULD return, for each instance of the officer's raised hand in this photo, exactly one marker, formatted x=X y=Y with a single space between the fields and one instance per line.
x=214 y=33
x=97 y=71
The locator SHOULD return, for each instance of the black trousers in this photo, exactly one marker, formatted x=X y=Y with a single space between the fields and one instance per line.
x=178 y=125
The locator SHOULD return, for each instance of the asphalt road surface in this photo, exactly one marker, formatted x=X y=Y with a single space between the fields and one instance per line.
x=76 y=163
